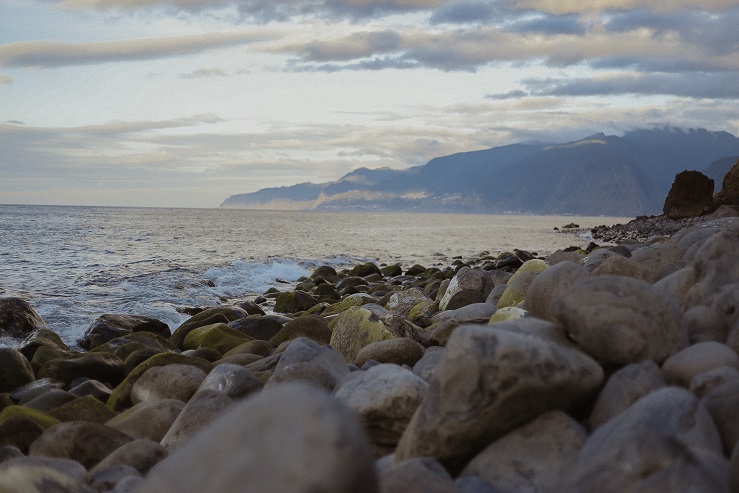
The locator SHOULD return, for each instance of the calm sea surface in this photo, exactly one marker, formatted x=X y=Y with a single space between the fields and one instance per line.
x=75 y=263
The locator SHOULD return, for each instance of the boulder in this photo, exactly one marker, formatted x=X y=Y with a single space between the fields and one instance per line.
x=664 y=442
x=19 y=431
x=103 y=367
x=703 y=383
x=620 y=320
x=148 y=420
x=305 y=359
x=50 y=400
x=293 y=302
x=311 y=326
x=356 y=327
x=140 y=454
x=425 y=366
x=364 y=270
x=488 y=382
x=42 y=475
x=705 y=324
x=402 y=302
x=219 y=336
x=533 y=457
x=111 y=325
x=466 y=287
x=167 y=382
x=550 y=285
x=234 y=381
x=18 y=319
x=292 y=437
x=722 y=402
x=518 y=285
x=691 y=192
x=683 y=366
x=209 y=316
x=385 y=397
x=255 y=346
x=82 y=441
x=416 y=475
x=257 y=327
x=400 y=351
x=41 y=337
x=15 y=370
x=623 y=388
x=200 y=410
x=108 y=479
x=86 y=408
x=729 y=193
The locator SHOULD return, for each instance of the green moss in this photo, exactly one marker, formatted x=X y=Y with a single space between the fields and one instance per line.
x=5 y=401
x=120 y=398
x=342 y=305
x=86 y=408
x=43 y=419
x=355 y=328
x=220 y=337
x=507 y=314
x=125 y=345
x=210 y=316
x=260 y=348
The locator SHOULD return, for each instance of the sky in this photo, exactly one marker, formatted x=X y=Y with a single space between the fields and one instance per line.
x=182 y=103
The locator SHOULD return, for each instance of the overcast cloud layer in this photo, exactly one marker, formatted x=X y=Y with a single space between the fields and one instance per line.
x=185 y=102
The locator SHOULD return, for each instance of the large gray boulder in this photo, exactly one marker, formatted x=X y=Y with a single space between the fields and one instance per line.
x=466 y=287
x=291 y=437
x=305 y=359
x=234 y=381
x=488 y=382
x=201 y=409
x=532 y=457
x=620 y=320
x=82 y=441
x=167 y=382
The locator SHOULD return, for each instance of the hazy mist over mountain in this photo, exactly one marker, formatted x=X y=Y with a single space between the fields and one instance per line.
x=598 y=175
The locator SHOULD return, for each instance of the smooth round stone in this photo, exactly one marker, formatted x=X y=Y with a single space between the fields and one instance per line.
x=683 y=366
x=15 y=370
x=425 y=366
x=234 y=381
x=419 y=474
x=550 y=285
x=92 y=388
x=722 y=403
x=400 y=351
x=140 y=454
x=703 y=383
x=704 y=324
x=466 y=287
x=200 y=410
x=109 y=478
x=149 y=419
x=167 y=382
x=50 y=400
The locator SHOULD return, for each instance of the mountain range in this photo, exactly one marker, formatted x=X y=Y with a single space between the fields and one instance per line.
x=598 y=175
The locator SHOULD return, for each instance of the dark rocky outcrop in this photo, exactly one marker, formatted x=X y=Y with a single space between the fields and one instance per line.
x=691 y=193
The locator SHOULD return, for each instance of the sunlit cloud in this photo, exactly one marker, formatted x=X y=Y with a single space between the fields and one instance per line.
x=6 y=80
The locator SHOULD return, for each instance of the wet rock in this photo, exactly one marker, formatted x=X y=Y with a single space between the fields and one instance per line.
x=488 y=382
x=210 y=316
x=364 y=270
x=293 y=302
x=167 y=382
x=305 y=359
x=533 y=457
x=200 y=410
x=50 y=400
x=385 y=397
x=140 y=454
x=86 y=408
x=729 y=193
x=234 y=381
x=18 y=319
x=620 y=320
x=310 y=326
x=255 y=346
x=111 y=325
x=41 y=337
x=15 y=370
x=82 y=441
x=517 y=285
x=691 y=192
x=148 y=420
x=466 y=287
x=20 y=431
x=681 y=367
x=664 y=442
x=247 y=449
x=103 y=367
x=220 y=337
x=400 y=351
x=624 y=388
x=251 y=308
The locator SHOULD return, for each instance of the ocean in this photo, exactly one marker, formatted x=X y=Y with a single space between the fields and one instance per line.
x=73 y=264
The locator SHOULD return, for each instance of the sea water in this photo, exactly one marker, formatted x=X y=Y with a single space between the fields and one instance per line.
x=73 y=264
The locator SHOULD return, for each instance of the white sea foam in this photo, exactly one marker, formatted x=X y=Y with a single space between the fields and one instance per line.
x=243 y=277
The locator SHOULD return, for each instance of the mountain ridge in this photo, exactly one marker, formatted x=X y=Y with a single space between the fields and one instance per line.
x=597 y=175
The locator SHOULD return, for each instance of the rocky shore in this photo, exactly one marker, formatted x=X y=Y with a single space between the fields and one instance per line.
x=608 y=369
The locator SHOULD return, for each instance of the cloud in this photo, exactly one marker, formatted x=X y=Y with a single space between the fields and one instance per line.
x=464 y=12
x=204 y=73
x=6 y=80
x=58 y=54
x=580 y=7
x=694 y=85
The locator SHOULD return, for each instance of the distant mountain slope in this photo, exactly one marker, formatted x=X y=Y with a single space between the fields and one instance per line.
x=718 y=169
x=598 y=175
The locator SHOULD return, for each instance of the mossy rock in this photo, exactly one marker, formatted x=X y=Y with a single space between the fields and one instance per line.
x=415 y=270
x=318 y=309
x=44 y=354
x=42 y=418
x=327 y=291
x=18 y=431
x=126 y=350
x=42 y=337
x=256 y=346
x=102 y=367
x=142 y=339
x=325 y=271
x=391 y=270
x=137 y=357
x=293 y=302
x=508 y=314
x=5 y=401
x=305 y=286
x=86 y=408
x=358 y=299
x=421 y=313
x=120 y=398
x=355 y=328
x=220 y=337
x=310 y=326
x=364 y=270
x=518 y=284
x=206 y=353
x=209 y=316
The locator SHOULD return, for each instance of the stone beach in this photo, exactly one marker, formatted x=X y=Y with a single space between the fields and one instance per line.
x=605 y=369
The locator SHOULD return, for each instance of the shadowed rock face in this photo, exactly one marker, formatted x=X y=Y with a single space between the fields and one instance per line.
x=729 y=193
x=17 y=318
x=690 y=194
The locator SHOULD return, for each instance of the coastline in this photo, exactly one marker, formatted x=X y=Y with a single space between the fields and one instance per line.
x=388 y=352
